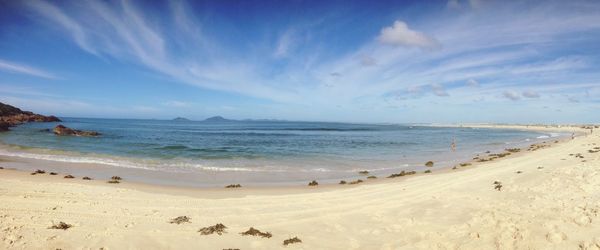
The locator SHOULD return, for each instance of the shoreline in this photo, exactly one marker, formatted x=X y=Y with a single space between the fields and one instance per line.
x=147 y=177
x=291 y=187
x=547 y=200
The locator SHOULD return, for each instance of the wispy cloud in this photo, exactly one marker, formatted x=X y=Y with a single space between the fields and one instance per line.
x=439 y=90
x=285 y=44
x=24 y=69
x=176 y=104
x=491 y=52
x=512 y=95
x=472 y=83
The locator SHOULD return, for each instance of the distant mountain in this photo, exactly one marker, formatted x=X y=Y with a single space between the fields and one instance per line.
x=217 y=119
x=181 y=119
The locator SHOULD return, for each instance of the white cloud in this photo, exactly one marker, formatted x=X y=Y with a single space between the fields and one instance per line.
x=472 y=83
x=400 y=35
x=438 y=90
x=573 y=99
x=512 y=95
x=24 y=69
x=531 y=94
x=368 y=61
x=176 y=104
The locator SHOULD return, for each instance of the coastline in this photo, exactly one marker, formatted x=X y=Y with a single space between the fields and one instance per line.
x=197 y=174
x=549 y=207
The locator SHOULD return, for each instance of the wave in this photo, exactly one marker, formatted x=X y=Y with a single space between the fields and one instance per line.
x=330 y=129
x=146 y=164
x=173 y=147
x=549 y=135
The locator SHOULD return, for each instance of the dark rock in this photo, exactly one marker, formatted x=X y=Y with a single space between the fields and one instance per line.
x=4 y=126
x=62 y=130
x=11 y=116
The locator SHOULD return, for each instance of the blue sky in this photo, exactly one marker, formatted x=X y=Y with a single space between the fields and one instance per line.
x=357 y=61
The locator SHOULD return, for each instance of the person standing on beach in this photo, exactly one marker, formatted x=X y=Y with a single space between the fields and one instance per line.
x=572 y=136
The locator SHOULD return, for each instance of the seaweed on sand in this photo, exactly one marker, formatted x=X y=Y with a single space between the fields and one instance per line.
x=429 y=164
x=113 y=182
x=233 y=186
x=364 y=172
x=255 y=232
x=427 y=171
x=116 y=178
x=313 y=183
x=342 y=182
x=86 y=178
x=218 y=229
x=53 y=173
x=61 y=225
x=69 y=176
x=180 y=219
x=372 y=177
x=497 y=185
x=292 y=241
x=356 y=182
x=402 y=173
x=39 y=171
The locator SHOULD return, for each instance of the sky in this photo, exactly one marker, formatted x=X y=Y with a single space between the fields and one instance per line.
x=350 y=61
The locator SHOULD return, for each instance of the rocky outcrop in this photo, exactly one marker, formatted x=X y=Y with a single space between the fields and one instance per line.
x=11 y=116
x=4 y=126
x=62 y=130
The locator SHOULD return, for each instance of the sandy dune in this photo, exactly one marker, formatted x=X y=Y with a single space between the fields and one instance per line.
x=553 y=203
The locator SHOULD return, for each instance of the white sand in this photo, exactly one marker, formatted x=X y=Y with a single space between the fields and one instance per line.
x=552 y=207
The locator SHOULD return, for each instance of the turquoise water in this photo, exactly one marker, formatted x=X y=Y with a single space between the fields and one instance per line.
x=286 y=148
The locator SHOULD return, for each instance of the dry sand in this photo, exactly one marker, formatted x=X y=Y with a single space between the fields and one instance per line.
x=553 y=203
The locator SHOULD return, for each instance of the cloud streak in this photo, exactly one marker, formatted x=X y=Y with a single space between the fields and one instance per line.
x=493 y=52
x=24 y=69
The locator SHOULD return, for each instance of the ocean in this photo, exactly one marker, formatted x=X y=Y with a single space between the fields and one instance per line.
x=196 y=153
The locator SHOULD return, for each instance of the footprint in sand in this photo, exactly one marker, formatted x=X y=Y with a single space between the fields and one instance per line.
x=556 y=236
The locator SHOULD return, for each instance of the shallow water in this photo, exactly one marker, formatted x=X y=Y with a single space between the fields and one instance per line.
x=277 y=151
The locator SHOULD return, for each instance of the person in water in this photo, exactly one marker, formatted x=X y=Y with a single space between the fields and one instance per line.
x=453 y=145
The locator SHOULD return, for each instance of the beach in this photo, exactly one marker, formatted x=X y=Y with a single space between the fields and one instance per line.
x=547 y=199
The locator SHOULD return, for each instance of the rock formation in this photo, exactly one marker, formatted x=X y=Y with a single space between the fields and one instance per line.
x=62 y=130
x=11 y=116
